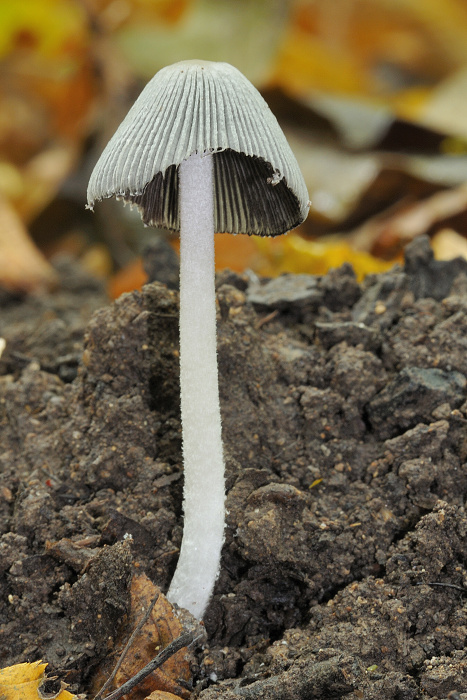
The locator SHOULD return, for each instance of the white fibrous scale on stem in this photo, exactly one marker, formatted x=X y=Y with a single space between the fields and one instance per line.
x=203 y=530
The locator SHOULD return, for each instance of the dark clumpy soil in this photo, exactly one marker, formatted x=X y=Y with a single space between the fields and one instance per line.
x=344 y=570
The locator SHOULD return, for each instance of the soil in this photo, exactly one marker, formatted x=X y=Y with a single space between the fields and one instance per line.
x=344 y=571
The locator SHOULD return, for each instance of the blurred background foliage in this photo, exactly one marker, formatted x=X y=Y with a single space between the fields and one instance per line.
x=372 y=95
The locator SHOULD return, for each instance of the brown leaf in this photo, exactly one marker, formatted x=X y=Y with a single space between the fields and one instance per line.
x=162 y=695
x=22 y=266
x=391 y=231
x=162 y=627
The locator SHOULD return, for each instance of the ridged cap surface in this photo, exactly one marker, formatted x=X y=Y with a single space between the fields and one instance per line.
x=201 y=106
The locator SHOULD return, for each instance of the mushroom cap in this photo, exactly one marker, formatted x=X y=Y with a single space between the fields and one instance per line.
x=204 y=107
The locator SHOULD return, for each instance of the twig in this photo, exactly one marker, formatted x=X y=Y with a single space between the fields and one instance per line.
x=135 y=632
x=183 y=641
x=445 y=585
x=270 y=317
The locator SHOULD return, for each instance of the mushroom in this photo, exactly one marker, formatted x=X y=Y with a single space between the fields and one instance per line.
x=200 y=151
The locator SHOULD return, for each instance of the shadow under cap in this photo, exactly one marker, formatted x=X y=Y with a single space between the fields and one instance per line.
x=245 y=200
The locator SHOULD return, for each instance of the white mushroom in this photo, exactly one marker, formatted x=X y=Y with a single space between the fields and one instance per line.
x=200 y=151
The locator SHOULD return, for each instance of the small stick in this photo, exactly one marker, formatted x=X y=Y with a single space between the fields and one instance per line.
x=183 y=641
x=135 y=632
x=270 y=317
x=445 y=585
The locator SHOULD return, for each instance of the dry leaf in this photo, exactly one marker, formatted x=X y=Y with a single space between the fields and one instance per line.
x=42 y=176
x=44 y=47
x=47 y=91
x=374 y=48
x=293 y=253
x=23 y=682
x=22 y=266
x=360 y=123
x=448 y=244
x=392 y=231
x=161 y=628
x=206 y=28
x=445 y=107
x=132 y=276
x=162 y=695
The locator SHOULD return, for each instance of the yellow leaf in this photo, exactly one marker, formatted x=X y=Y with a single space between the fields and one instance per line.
x=292 y=253
x=392 y=51
x=23 y=682
x=448 y=244
x=21 y=673
x=48 y=24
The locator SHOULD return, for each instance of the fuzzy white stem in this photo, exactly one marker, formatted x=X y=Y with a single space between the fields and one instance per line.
x=204 y=489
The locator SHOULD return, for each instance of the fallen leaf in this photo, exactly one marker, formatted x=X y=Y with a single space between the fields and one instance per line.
x=162 y=695
x=292 y=253
x=445 y=107
x=48 y=88
x=130 y=277
x=388 y=51
x=360 y=123
x=447 y=244
x=391 y=231
x=44 y=47
x=22 y=266
x=234 y=252
x=42 y=176
x=23 y=682
x=162 y=627
x=205 y=27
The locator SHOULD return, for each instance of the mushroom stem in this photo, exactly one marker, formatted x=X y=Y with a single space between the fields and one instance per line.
x=203 y=530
